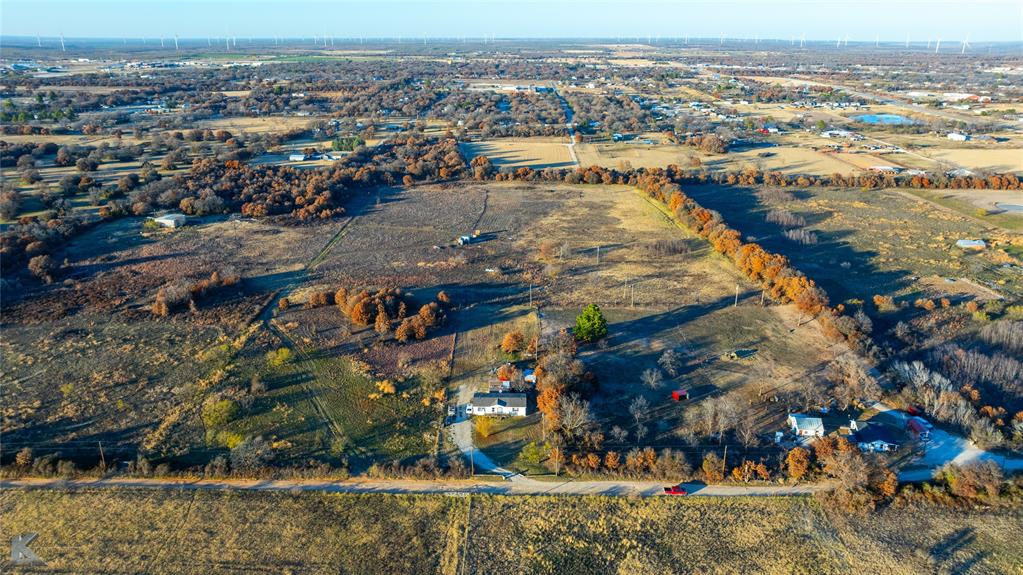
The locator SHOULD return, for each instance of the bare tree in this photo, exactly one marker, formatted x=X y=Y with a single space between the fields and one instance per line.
x=638 y=409
x=670 y=361
x=619 y=435
x=652 y=378
x=745 y=429
x=574 y=415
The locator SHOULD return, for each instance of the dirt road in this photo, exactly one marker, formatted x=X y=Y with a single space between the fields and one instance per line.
x=518 y=486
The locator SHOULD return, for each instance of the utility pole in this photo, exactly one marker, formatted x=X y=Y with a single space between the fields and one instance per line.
x=736 y=304
x=762 y=297
x=598 y=255
x=472 y=456
x=724 y=462
x=102 y=458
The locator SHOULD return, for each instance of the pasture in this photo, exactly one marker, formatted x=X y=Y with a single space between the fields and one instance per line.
x=230 y=532
x=536 y=153
x=868 y=242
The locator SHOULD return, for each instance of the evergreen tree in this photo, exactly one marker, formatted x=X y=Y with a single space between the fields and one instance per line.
x=590 y=325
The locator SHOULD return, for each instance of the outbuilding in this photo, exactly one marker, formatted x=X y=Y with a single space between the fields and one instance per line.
x=805 y=426
x=171 y=220
x=679 y=395
x=971 y=244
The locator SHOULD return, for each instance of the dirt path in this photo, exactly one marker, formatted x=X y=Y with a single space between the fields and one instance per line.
x=568 y=124
x=522 y=486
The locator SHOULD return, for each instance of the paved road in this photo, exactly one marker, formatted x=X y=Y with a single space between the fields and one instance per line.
x=523 y=486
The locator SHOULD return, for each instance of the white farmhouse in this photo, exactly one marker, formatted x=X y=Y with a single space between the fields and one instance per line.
x=508 y=404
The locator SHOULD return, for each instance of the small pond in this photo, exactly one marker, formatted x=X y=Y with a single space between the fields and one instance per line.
x=883 y=119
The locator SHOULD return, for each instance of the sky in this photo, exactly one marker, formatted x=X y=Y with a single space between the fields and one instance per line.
x=863 y=20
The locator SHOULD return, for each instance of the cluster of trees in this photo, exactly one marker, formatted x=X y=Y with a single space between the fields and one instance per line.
x=383 y=308
x=493 y=114
x=753 y=176
x=963 y=405
x=604 y=113
x=710 y=143
x=180 y=294
x=29 y=244
x=562 y=382
x=860 y=480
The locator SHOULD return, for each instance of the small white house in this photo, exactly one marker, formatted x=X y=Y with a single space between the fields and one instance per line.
x=971 y=244
x=171 y=220
x=959 y=173
x=804 y=426
x=296 y=158
x=503 y=404
x=957 y=137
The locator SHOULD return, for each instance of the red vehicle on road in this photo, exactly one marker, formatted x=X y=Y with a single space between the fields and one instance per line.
x=675 y=490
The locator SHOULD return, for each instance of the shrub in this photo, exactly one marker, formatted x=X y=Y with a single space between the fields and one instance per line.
x=590 y=325
x=278 y=357
x=513 y=342
x=219 y=413
x=484 y=425
x=797 y=463
x=712 y=468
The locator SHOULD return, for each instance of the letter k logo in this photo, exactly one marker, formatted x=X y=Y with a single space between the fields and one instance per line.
x=21 y=554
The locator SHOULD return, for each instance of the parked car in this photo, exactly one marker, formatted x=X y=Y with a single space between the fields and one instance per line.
x=675 y=490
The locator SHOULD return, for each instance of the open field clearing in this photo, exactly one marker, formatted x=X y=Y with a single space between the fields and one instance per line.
x=638 y=155
x=87 y=360
x=868 y=242
x=653 y=302
x=201 y=532
x=788 y=159
x=535 y=153
x=989 y=160
x=994 y=207
x=262 y=124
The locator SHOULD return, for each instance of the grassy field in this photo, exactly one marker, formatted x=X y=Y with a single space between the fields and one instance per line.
x=535 y=153
x=871 y=242
x=203 y=532
x=87 y=361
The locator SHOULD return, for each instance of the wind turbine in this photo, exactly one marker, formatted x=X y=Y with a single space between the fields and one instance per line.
x=937 y=46
x=62 y=49
x=161 y=41
x=721 y=39
x=966 y=44
x=175 y=42
x=39 y=42
x=877 y=39
x=802 y=40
